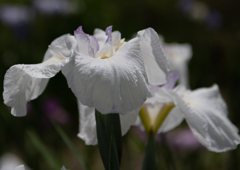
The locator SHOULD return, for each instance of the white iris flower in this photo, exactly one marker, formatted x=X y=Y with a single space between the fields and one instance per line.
x=204 y=110
x=114 y=82
x=109 y=74
x=103 y=71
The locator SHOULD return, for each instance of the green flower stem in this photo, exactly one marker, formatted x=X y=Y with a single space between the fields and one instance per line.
x=151 y=127
x=149 y=161
x=109 y=136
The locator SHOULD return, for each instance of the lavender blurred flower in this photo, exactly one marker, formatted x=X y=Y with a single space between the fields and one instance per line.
x=182 y=139
x=15 y=15
x=204 y=110
x=200 y=12
x=52 y=108
x=186 y=5
x=214 y=19
x=55 y=7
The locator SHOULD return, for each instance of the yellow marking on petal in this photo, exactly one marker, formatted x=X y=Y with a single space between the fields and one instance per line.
x=153 y=123
x=121 y=44
x=104 y=57
x=146 y=121
x=162 y=115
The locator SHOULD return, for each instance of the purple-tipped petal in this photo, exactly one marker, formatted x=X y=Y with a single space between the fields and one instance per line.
x=94 y=43
x=109 y=34
x=172 y=79
x=84 y=43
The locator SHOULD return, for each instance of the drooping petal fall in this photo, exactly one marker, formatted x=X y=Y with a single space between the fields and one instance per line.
x=23 y=83
x=206 y=113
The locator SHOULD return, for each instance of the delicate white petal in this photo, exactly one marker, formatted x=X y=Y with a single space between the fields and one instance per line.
x=100 y=36
x=23 y=83
x=179 y=55
x=87 y=122
x=183 y=70
x=106 y=51
x=171 y=81
x=174 y=118
x=204 y=97
x=21 y=167
x=94 y=44
x=155 y=61
x=128 y=120
x=113 y=85
x=63 y=168
x=206 y=113
x=62 y=47
x=26 y=82
x=9 y=161
x=116 y=39
x=160 y=97
x=83 y=42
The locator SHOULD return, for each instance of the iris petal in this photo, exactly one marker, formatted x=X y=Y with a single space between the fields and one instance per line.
x=26 y=82
x=23 y=83
x=113 y=85
x=155 y=61
x=206 y=114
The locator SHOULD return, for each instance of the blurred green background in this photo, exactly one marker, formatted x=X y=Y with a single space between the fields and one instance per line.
x=27 y=27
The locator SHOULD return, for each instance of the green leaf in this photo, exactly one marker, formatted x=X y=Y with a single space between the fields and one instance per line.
x=113 y=155
x=149 y=162
x=103 y=142
x=70 y=145
x=113 y=121
x=47 y=155
x=105 y=125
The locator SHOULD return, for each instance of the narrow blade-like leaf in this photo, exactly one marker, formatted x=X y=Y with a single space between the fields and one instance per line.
x=113 y=121
x=149 y=162
x=113 y=155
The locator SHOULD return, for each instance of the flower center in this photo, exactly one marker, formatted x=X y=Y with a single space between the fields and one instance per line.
x=151 y=120
x=108 y=55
